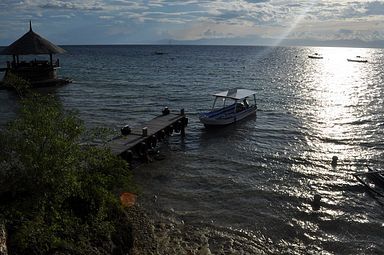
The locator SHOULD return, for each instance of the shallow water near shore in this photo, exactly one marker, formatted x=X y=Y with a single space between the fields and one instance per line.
x=246 y=188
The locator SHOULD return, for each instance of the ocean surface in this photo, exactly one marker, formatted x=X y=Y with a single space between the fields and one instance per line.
x=246 y=188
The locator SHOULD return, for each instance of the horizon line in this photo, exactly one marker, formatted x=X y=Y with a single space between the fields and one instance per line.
x=224 y=45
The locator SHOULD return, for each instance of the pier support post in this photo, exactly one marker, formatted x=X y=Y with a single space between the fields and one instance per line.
x=165 y=111
x=145 y=131
x=127 y=155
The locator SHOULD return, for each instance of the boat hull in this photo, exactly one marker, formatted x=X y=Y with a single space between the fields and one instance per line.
x=226 y=116
x=315 y=57
x=357 y=60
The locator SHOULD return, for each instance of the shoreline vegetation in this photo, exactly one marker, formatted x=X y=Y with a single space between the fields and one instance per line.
x=57 y=195
x=60 y=195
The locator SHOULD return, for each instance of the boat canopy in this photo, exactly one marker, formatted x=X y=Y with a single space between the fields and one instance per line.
x=236 y=94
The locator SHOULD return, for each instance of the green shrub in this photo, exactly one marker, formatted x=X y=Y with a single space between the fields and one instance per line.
x=17 y=83
x=55 y=194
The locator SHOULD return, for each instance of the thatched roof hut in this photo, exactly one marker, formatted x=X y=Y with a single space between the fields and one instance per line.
x=31 y=44
x=37 y=72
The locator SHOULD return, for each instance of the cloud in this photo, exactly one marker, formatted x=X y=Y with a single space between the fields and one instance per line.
x=256 y=1
x=74 y=5
x=215 y=34
x=198 y=19
x=345 y=31
x=106 y=17
x=375 y=8
x=62 y=16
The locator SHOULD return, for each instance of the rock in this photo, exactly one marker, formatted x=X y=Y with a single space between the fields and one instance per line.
x=3 y=240
x=204 y=250
x=334 y=161
x=316 y=202
x=142 y=231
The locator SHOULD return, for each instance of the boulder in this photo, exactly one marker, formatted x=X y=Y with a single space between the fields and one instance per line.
x=3 y=240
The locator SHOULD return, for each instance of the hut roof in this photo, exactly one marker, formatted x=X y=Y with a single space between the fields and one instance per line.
x=31 y=44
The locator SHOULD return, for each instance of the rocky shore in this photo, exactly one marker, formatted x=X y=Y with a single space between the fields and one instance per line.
x=151 y=235
x=3 y=240
x=157 y=235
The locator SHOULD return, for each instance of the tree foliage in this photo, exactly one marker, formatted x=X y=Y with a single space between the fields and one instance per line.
x=13 y=81
x=56 y=194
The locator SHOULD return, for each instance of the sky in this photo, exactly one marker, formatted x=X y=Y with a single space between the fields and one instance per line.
x=356 y=23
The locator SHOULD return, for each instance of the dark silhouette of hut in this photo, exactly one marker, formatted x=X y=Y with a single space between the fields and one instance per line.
x=37 y=72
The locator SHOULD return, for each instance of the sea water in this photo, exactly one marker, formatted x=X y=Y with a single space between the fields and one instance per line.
x=246 y=188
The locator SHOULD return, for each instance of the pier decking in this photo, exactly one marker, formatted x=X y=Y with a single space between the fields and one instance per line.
x=138 y=140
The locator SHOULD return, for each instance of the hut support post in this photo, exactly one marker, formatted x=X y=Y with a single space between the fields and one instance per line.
x=182 y=129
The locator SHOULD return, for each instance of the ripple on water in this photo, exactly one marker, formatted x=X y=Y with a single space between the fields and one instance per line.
x=246 y=188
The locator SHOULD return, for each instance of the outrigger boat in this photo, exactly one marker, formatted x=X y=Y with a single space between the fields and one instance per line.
x=239 y=109
x=372 y=180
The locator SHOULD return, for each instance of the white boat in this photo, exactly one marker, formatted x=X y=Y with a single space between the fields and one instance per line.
x=242 y=104
x=357 y=59
x=316 y=56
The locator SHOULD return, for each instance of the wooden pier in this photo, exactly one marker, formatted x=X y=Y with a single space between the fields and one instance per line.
x=137 y=141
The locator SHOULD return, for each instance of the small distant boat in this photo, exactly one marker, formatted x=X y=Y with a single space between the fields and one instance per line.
x=315 y=56
x=159 y=53
x=357 y=59
x=239 y=109
x=373 y=180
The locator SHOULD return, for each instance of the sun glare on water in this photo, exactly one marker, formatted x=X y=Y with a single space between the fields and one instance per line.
x=338 y=86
